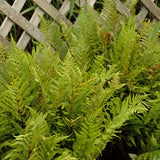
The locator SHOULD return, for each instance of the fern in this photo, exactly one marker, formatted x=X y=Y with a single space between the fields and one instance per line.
x=111 y=19
x=94 y=142
x=82 y=92
x=36 y=142
x=54 y=36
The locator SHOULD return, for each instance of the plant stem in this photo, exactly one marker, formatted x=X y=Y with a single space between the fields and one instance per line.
x=29 y=150
x=18 y=106
x=70 y=115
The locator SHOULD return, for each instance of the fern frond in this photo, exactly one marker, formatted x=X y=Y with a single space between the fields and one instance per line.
x=111 y=18
x=54 y=36
x=118 y=117
x=36 y=142
x=149 y=155
x=101 y=79
x=88 y=137
x=124 y=52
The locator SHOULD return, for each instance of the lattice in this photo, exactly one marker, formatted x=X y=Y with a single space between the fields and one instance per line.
x=30 y=28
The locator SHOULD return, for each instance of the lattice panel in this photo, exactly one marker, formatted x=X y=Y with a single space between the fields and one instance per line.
x=30 y=27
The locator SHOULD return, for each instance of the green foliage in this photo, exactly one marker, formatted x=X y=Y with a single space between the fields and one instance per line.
x=156 y=30
x=111 y=18
x=72 y=98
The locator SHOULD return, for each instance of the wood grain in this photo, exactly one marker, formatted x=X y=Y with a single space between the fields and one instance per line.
x=7 y=23
x=21 y=21
x=52 y=11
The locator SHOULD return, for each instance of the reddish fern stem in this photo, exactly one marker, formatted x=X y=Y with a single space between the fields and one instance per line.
x=70 y=115
x=18 y=106
x=125 y=71
x=57 y=103
x=41 y=96
x=29 y=150
x=86 y=144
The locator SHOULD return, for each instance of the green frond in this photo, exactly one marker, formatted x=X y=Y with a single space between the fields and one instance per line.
x=95 y=137
x=36 y=142
x=88 y=138
x=118 y=113
x=93 y=86
x=124 y=51
x=153 y=155
x=110 y=16
x=54 y=36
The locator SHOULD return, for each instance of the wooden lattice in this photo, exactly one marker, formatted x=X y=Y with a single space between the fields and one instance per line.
x=30 y=29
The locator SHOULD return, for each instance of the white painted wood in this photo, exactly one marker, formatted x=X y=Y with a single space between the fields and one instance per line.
x=52 y=11
x=142 y=15
x=21 y=21
x=65 y=7
x=4 y=41
x=152 y=8
x=30 y=28
x=122 y=8
x=25 y=37
x=7 y=23
x=84 y=2
x=91 y=2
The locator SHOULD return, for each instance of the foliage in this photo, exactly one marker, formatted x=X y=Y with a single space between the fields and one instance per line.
x=92 y=84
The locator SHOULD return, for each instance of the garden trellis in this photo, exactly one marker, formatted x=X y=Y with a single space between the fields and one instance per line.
x=30 y=27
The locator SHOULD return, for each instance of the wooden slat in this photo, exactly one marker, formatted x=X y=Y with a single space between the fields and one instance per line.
x=52 y=11
x=152 y=8
x=84 y=2
x=21 y=21
x=25 y=37
x=65 y=7
x=7 y=23
x=91 y=2
x=4 y=41
x=142 y=15
x=30 y=28
x=122 y=8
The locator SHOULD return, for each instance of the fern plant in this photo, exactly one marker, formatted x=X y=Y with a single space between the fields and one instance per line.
x=72 y=101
